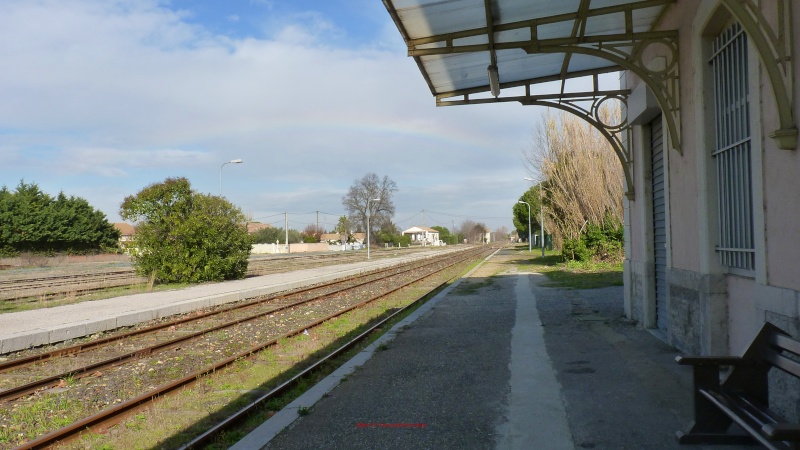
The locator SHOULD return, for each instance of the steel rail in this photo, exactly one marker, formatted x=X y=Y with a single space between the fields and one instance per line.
x=81 y=372
x=114 y=414
x=76 y=349
x=79 y=348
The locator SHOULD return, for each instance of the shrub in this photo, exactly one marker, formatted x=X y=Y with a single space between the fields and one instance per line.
x=184 y=236
x=576 y=250
x=599 y=242
x=394 y=239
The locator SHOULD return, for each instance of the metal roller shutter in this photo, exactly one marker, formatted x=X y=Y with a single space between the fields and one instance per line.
x=659 y=223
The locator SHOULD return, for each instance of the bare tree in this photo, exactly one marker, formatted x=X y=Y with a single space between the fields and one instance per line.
x=581 y=175
x=373 y=192
x=500 y=234
x=473 y=232
x=465 y=229
x=313 y=231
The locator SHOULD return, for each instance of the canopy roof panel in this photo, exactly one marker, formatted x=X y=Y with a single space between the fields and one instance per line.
x=529 y=41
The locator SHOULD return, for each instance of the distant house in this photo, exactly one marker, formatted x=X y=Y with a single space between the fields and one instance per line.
x=333 y=238
x=423 y=235
x=126 y=231
x=252 y=227
x=360 y=237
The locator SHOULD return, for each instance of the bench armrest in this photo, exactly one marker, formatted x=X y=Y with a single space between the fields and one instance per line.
x=710 y=360
x=782 y=431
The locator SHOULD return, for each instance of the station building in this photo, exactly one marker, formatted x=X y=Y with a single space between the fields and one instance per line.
x=708 y=143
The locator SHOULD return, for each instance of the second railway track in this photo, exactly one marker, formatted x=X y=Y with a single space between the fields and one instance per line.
x=20 y=285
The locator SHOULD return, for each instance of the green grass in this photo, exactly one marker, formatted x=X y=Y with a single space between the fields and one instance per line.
x=46 y=413
x=572 y=274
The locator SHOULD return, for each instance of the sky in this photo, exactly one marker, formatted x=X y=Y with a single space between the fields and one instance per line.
x=101 y=98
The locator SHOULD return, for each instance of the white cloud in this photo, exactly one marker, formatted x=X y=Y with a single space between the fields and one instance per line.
x=129 y=89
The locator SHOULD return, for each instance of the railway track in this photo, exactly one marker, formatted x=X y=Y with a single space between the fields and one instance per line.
x=24 y=286
x=173 y=354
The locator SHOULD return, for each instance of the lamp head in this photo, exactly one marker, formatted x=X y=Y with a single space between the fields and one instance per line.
x=494 y=80
x=235 y=161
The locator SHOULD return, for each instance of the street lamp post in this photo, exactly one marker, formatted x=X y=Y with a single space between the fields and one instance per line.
x=368 y=214
x=541 y=214
x=233 y=161
x=541 y=217
x=530 y=248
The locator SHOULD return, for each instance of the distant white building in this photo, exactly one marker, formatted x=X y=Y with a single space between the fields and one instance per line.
x=423 y=235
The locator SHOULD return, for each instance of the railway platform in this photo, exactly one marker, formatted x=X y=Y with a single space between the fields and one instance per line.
x=498 y=361
x=26 y=329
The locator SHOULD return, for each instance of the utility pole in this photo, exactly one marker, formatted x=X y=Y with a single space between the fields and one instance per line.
x=286 y=227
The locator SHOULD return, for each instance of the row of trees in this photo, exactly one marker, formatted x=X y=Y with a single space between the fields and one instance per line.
x=185 y=236
x=32 y=221
x=581 y=188
x=388 y=233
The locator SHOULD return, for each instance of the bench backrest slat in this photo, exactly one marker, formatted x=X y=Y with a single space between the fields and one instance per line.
x=785 y=342
x=782 y=362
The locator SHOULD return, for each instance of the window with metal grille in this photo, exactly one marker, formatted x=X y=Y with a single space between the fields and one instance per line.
x=732 y=153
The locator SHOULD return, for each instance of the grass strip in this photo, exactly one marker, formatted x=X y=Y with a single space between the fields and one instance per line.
x=570 y=274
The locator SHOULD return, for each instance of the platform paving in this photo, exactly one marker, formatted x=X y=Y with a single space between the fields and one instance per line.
x=498 y=361
x=22 y=330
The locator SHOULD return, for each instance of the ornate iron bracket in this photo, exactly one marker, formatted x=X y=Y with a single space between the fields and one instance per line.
x=774 y=48
x=587 y=106
x=626 y=50
x=662 y=79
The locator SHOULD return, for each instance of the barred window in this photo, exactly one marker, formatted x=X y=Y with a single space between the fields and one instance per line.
x=732 y=152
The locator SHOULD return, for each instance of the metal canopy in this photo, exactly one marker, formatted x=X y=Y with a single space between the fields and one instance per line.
x=459 y=45
x=454 y=41
x=531 y=42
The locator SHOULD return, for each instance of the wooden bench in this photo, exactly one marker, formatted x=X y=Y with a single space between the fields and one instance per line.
x=743 y=396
